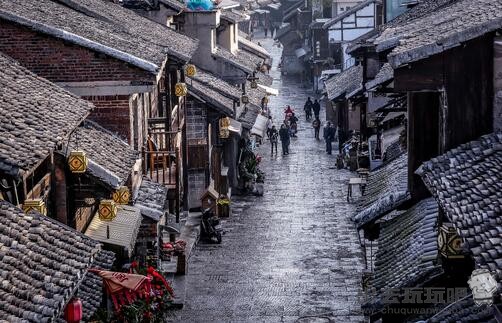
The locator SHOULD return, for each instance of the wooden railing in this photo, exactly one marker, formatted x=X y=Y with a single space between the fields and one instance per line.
x=160 y=155
x=161 y=166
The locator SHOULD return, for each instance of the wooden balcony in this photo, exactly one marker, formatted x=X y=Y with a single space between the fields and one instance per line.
x=161 y=158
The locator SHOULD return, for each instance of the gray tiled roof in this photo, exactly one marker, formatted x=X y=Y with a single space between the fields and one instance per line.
x=151 y=199
x=290 y=12
x=283 y=30
x=407 y=254
x=104 y=27
x=248 y=118
x=387 y=188
x=41 y=264
x=345 y=82
x=347 y=13
x=265 y=79
x=174 y=4
x=393 y=151
x=217 y=84
x=250 y=46
x=255 y=95
x=234 y=16
x=111 y=159
x=211 y=96
x=35 y=115
x=464 y=310
x=467 y=184
x=242 y=60
x=385 y=74
x=89 y=289
x=423 y=8
x=440 y=30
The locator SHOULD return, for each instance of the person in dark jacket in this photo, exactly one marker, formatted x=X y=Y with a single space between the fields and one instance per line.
x=274 y=138
x=308 y=109
x=329 y=136
x=317 y=126
x=317 y=108
x=284 y=135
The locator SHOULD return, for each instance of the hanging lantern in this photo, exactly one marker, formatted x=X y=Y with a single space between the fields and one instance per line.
x=122 y=195
x=77 y=161
x=191 y=70
x=107 y=210
x=37 y=205
x=180 y=89
x=449 y=242
x=224 y=125
x=244 y=99
x=73 y=311
x=254 y=85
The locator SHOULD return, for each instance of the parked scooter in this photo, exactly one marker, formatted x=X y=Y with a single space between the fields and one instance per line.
x=211 y=227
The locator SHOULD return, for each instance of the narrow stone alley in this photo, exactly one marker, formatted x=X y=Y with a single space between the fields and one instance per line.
x=292 y=255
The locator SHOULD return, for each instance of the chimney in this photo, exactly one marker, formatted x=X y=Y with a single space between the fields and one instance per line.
x=202 y=26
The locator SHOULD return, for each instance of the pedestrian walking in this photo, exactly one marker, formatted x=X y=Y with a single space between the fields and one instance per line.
x=293 y=122
x=317 y=108
x=284 y=135
x=274 y=138
x=308 y=109
x=329 y=137
x=270 y=125
x=316 y=124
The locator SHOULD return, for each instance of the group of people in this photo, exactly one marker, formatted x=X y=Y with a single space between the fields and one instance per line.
x=289 y=128
x=311 y=106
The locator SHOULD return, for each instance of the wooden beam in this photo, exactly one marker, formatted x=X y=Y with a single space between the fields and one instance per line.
x=425 y=75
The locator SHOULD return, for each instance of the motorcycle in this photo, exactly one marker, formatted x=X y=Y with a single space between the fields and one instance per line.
x=211 y=227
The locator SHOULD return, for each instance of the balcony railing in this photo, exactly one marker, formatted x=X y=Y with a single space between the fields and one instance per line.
x=161 y=155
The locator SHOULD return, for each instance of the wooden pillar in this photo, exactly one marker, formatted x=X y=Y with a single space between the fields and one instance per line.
x=60 y=189
x=423 y=136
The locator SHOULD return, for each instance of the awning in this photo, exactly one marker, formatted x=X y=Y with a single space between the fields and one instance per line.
x=300 y=52
x=235 y=126
x=261 y=11
x=123 y=230
x=269 y=90
x=260 y=126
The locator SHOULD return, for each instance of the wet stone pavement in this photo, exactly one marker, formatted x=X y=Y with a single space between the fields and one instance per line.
x=289 y=256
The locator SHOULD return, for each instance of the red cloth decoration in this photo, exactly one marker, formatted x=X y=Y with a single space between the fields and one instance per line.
x=125 y=288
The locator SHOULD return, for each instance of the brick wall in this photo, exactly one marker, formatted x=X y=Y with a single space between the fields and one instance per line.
x=61 y=61
x=196 y=120
x=112 y=113
x=196 y=187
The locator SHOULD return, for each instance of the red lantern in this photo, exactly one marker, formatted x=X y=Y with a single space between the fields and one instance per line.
x=73 y=311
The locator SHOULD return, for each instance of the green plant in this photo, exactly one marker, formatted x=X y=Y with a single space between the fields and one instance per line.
x=223 y=201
